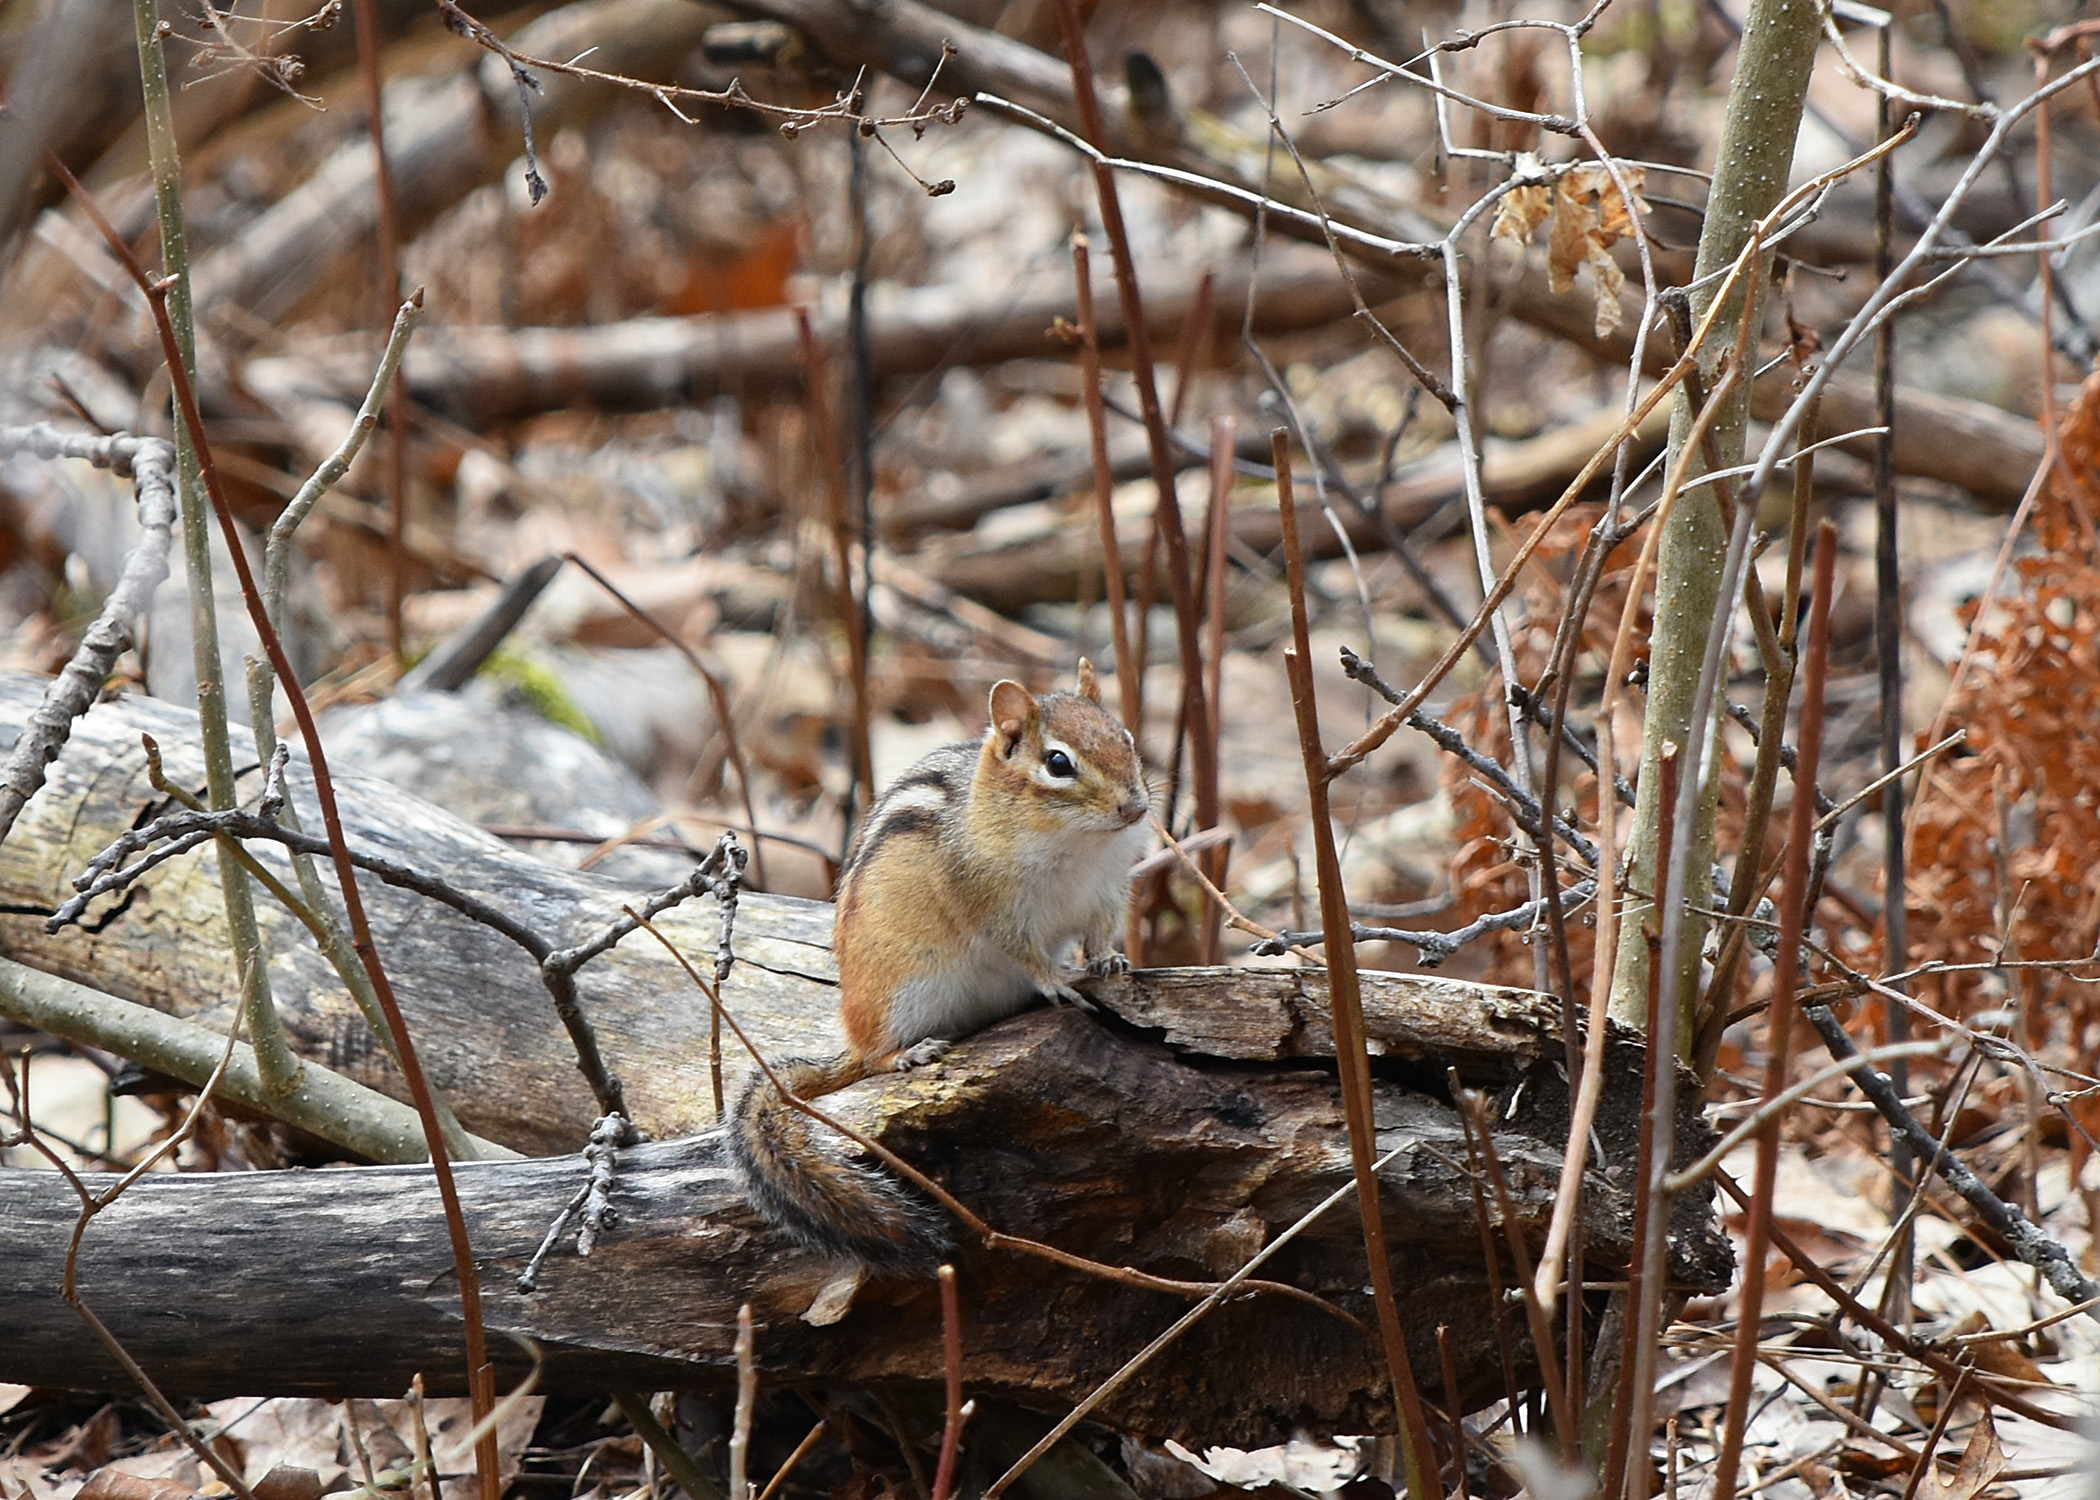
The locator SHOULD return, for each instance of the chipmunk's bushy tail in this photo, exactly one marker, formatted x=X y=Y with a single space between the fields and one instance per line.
x=805 y=1180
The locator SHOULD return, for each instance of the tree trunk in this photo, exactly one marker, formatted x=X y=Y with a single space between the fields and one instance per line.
x=1750 y=177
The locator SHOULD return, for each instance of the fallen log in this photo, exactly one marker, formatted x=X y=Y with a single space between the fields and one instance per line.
x=473 y=998
x=444 y=138
x=1988 y=452
x=78 y=75
x=1039 y=554
x=1177 y=1133
x=1053 y=1126
x=478 y=375
x=483 y=1022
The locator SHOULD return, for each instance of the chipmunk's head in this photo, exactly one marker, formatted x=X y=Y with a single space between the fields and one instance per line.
x=1068 y=760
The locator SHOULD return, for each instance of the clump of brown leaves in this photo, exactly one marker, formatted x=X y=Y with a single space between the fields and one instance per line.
x=1589 y=215
x=2003 y=837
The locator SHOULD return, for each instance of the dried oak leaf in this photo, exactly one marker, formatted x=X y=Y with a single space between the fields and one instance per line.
x=1521 y=211
x=1980 y=1464
x=1589 y=215
x=2001 y=1357
x=113 y=1484
x=2032 y=712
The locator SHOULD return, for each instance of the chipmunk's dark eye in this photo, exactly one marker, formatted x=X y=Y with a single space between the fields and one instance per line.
x=1059 y=764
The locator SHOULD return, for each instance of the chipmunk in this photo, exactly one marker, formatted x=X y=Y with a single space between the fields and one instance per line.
x=974 y=874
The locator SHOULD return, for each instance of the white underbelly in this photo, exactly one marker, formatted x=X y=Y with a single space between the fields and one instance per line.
x=984 y=985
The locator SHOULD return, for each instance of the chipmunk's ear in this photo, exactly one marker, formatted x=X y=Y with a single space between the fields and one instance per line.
x=1013 y=712
x=1089 y=684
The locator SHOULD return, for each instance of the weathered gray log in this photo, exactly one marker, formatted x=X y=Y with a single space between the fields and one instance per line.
x=474 y=1002
x=1052 y=1126
x=1177 y=1133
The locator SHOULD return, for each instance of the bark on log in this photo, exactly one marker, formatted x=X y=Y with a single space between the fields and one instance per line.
x=484 y=1023
x=1052 y=1125
x=1177 y=1133
x=474 y=1003
x=473 y=999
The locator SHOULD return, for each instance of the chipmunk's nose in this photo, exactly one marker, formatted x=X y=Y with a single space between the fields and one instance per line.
x=1134 y=809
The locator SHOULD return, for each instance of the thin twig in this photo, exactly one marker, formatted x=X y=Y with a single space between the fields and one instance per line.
x=1217 y=1298
x=1926 y=1353
x=1202 y=732
x=273 y=1051
x=1130 y=672
x=1786 y=978
x=592 y=1202
x=717 y=696
x=676 y=1461
x=2028 y=1242
x=93 y=1202
x=780 y=1475
x=1473 y=1113
x=150 y=464
x=1224 y=431
x=746 y=1404
x=851 y=615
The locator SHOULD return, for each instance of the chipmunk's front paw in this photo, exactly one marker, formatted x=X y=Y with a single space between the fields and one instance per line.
x=1108 y=964
x=932 y=1050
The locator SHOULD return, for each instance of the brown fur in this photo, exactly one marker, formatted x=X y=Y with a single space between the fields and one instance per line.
x=976 y=870
x=801 y=1181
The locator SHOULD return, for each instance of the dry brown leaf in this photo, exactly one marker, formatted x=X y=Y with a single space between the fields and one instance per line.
x=1980 y=1463
x=1573 y=233
x=1590 y=215
x=1870 y=1463
x=288 y=1482
x=2001 y=1356
x=1610 y=281
x=2031 y=707
x=1614 y=220
x=115 y=1484
x=1521 y=211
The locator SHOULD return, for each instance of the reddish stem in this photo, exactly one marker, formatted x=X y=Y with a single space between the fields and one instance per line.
x=951 y=1354
x=1345 y=998
x=1130 y=671
x=1786 y=981
x=824 y=428
x=1180 y=574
